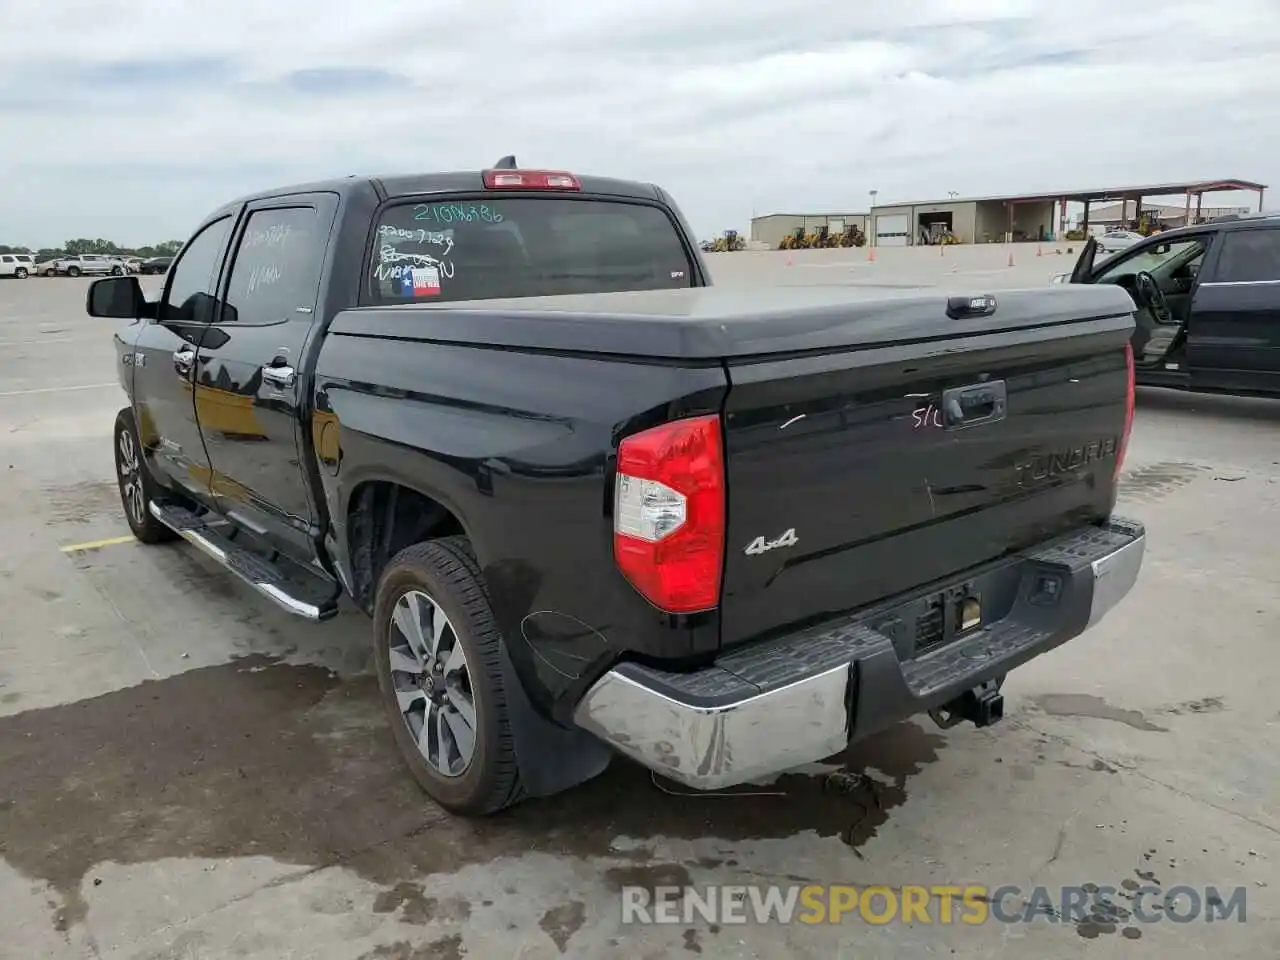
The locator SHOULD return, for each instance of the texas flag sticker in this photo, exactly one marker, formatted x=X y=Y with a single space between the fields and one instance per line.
x=422 y=282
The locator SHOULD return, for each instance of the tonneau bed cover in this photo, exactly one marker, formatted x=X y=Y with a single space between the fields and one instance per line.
x=714 y=323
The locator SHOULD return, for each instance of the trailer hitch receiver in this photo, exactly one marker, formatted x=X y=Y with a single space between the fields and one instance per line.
x=982 y=706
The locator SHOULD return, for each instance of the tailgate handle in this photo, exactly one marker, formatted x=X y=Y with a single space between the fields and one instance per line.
x=974 y=405
x=961 y=307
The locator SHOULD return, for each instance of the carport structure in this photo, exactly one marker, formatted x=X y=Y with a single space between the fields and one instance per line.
x=1137 y=194
x=1029 y=216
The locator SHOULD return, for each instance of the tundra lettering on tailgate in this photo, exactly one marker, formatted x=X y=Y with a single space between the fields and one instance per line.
x=1055 y=463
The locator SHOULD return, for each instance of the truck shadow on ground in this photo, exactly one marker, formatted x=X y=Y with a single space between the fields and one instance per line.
x=260 y=758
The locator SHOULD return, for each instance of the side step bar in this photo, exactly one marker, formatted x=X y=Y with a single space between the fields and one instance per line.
x=292 y=594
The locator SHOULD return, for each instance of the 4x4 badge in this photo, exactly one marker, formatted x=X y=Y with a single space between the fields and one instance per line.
x=760 y=545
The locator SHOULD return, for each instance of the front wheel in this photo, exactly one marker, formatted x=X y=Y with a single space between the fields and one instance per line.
x=117 y=271
x=137 y=488
x=21 y=273
x=438 y=654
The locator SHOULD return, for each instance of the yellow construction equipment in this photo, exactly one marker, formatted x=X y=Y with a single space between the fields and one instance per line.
x=852 y=237
x=730 y=242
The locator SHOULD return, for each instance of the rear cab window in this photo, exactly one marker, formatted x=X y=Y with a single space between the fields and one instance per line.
x=500 y=246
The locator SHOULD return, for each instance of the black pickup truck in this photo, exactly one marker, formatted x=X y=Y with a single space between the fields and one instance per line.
x=594 y=504
x=1208 y=303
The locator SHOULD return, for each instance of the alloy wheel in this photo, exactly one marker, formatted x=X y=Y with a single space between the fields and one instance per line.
x=129 y=465
x=432 y=683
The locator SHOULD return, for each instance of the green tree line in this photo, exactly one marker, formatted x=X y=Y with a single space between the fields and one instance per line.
x=85 y=245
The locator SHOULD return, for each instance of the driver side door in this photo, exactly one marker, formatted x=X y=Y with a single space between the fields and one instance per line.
x=164 y=363
x=1174 y=265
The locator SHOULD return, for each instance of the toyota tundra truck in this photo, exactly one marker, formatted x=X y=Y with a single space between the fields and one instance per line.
x=594 y=504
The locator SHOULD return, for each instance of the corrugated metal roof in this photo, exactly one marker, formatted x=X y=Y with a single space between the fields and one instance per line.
x=767 y=216
x=1104 y=193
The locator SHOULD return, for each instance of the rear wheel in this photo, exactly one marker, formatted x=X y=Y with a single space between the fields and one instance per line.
x=21 y=273
x=438 y=654
x=117 y=271
x=73 y=271
x=137 y=488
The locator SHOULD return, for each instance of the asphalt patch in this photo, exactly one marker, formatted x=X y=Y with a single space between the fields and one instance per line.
x=262 y=758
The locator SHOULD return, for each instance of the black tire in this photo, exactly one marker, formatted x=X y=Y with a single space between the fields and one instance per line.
x=446 y=571
x=117 y=271
x=137 y=487
x=21 y=273
x=51 y=272
x=73 y=271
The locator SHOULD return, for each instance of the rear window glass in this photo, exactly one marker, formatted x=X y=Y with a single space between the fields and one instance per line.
x=523 y=247
x=1249 y=256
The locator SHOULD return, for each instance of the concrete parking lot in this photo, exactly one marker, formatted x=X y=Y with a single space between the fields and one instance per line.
x=186 y=772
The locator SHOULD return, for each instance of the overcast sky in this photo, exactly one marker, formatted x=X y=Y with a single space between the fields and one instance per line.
x=130 y=120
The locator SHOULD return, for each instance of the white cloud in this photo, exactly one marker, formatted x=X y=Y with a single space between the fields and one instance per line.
x=131 y=119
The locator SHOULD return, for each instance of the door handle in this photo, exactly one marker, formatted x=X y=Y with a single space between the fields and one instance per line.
x=183 y=359
x=279 y=375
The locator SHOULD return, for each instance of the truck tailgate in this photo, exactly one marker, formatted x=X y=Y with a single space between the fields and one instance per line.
x=860 y=473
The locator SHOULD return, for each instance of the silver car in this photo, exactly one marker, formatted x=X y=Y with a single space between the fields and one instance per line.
x=1117 y=240
x=89 y=264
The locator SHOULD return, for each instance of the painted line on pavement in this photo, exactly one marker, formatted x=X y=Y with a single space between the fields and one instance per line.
x=82 y=386
x=98 y=544
x=19 y=343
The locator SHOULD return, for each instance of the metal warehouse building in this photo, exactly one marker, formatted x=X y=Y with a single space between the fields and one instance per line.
x=1016 y=217
x=972 y=220
x=772 y=228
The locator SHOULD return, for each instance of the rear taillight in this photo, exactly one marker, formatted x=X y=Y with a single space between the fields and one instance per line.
x=530 y=180
x=1129 y=399
x=669 y=514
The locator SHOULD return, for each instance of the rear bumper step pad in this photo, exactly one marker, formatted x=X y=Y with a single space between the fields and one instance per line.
x=799 y=698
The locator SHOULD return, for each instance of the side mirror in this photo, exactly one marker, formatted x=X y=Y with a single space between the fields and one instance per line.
x=117 y=298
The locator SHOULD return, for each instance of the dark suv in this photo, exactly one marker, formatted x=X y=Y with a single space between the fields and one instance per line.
x=1208 y=300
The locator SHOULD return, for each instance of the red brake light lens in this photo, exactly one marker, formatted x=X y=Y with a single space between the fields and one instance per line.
x=530 y=180
x=1129 y=404
x=669 y=514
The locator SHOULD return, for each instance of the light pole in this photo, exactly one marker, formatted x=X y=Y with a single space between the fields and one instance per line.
x=871 y=216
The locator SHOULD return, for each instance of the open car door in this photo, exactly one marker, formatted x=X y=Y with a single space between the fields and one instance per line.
x=1083 y=269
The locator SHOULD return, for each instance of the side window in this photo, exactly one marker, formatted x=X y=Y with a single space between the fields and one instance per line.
x=1249 y=256
x=190 y=297
x=6 y=258
x=1153 y=258
x=277 y=266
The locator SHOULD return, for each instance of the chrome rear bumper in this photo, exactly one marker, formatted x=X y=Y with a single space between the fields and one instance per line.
x=793 y=700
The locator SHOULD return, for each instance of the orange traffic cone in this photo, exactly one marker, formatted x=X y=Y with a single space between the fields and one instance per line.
x=1038 y=253
x=871 y=254
x=942 y=249
x=1011 y=258
x=791 y=261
